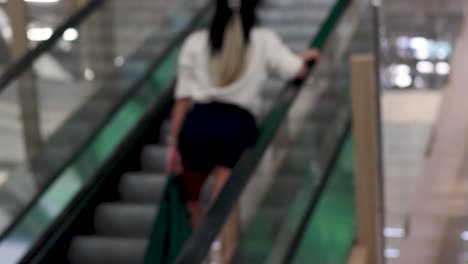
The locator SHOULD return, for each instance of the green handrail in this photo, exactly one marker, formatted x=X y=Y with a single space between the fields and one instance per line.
x=329 y=24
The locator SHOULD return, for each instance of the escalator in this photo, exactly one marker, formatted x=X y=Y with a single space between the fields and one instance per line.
x=125 y=224
x=100 y=173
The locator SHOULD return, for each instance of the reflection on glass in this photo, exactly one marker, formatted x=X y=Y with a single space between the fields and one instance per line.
x=331 y=229
x=309 y=138
x=80 y=82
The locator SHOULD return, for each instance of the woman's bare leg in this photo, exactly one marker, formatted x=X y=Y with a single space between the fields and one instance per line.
x=226 y=242
x=192 y=184
x=197 y=212
x=222 y=175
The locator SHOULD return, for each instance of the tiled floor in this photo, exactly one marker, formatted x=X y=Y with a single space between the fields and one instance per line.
x=407 y=123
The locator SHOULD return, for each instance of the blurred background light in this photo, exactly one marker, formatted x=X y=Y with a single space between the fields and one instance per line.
x=425 y=67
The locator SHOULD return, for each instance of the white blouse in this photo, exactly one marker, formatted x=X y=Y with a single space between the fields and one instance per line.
x=267 y=53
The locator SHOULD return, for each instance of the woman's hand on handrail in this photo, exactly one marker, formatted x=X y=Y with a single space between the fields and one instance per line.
x=311 y=55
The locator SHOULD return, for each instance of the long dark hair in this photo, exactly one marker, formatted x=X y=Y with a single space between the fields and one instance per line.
x=224 y=15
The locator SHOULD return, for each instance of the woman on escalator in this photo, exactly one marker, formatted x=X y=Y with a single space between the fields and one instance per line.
x=221 y=73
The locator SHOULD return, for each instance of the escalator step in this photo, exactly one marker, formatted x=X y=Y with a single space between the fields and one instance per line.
x=275 y=17
x=295 y=32
x=298 y=4
x=98 y=250
x=124 y=220
x=142 y=188
x=153 y=158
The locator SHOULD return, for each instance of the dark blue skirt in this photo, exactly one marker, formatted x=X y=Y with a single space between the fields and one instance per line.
x=216 y=134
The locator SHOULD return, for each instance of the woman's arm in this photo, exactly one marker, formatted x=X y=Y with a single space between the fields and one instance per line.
x=179 y=112
x=307 y=56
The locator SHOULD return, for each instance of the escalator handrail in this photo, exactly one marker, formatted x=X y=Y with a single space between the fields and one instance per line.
x=197 y=246
x=25 y=62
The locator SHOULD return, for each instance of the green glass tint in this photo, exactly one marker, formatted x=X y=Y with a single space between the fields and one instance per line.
x=310 y=140
x=133 y=98
x=331 y=229
x=81 y=83
x=58 y=196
